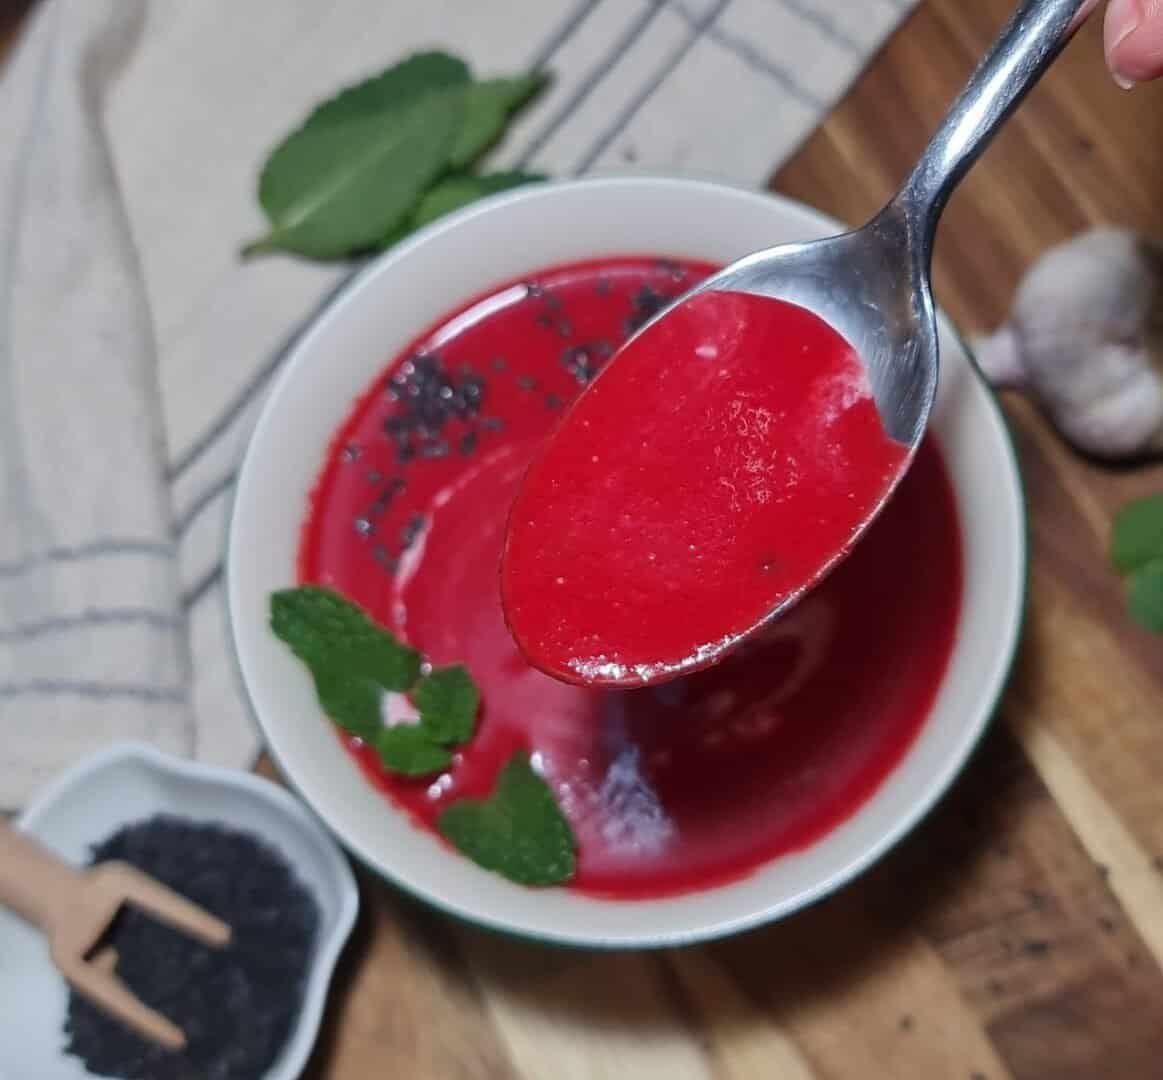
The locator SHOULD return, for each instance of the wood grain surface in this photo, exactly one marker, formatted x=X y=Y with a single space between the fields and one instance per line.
x=1019 y=932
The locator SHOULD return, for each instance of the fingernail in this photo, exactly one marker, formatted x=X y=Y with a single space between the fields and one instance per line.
x=1127 y=16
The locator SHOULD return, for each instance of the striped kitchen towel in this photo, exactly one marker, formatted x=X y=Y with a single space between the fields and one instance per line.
x=135 y=347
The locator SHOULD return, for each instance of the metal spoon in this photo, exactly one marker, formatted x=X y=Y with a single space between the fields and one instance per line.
x=874 y=284
x=874 y=287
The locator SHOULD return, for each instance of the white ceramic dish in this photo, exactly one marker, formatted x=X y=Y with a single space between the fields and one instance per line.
x=395 y=298
x=126 y=783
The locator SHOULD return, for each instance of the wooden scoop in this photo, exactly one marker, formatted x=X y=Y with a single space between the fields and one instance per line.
x=75 y=907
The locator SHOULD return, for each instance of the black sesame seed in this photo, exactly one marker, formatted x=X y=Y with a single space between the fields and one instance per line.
x=602 y=286
x=351 y=452
x=1107 y=924
x=411 y=530
x=468 y=442
x=565 y=328
x=1036 y=947
x=374 y=476
x=380 y=554
x=431 y=396
x=906 y=1022
x=996 y=987
x=526 y=382
x=363 y=526
x=552 y=401
x=493 y=423
x=647 y=303
x=500 y=363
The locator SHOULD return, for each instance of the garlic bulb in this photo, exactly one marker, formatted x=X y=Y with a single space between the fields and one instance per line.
x=1085 y=340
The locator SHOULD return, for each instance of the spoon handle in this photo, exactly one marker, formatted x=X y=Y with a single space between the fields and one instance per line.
x=1032 y=40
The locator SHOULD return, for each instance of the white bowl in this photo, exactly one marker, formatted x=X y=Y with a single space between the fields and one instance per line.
x=124 y=784
x=410 y=287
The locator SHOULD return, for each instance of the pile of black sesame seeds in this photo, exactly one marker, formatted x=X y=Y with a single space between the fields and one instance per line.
x=440 y=412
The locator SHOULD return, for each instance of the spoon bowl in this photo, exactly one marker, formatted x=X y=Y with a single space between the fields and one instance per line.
x=871 y=285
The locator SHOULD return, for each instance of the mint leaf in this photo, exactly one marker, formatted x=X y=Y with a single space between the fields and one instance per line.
x=408 y=750
x=1145 y=596
x=339 y=186
x=353 y=661
x=519 y=832
x=411 y=78
x=487 y=108
x=448 y=701
x=456 y=191
x=1138 y=534
x=352 y=702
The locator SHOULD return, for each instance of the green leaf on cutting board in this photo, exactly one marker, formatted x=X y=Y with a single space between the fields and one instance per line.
x=1145 y=595
x=453 y=192
x=518 y=832
x=1137 y=537
x=339 y=186
x=487 y=108
x=448 y=700
x=352 y=660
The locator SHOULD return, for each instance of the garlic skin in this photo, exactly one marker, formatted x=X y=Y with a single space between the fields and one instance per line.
x=1085 y=340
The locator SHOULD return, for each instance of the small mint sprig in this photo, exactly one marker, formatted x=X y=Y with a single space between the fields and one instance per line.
x=354 y=662
x=518 y=832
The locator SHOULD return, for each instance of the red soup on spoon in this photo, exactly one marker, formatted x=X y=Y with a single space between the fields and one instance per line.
x=646 y=543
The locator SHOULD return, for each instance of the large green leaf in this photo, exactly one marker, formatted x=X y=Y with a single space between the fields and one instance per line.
x=340 y=186
x=487 y=108
x=416 y=75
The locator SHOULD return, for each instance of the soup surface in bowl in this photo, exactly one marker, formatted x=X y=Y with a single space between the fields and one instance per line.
x=670 y=789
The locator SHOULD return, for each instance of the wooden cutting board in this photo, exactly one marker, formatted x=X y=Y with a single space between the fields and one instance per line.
x=1019 y=932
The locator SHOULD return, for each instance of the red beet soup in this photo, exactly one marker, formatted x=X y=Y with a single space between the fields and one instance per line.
x=724 y=461
x=669 y=789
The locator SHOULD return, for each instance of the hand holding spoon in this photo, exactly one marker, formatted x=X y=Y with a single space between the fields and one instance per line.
x=737 y=447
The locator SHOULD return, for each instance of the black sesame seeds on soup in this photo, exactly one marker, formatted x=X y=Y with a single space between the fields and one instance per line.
x=669 y=790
